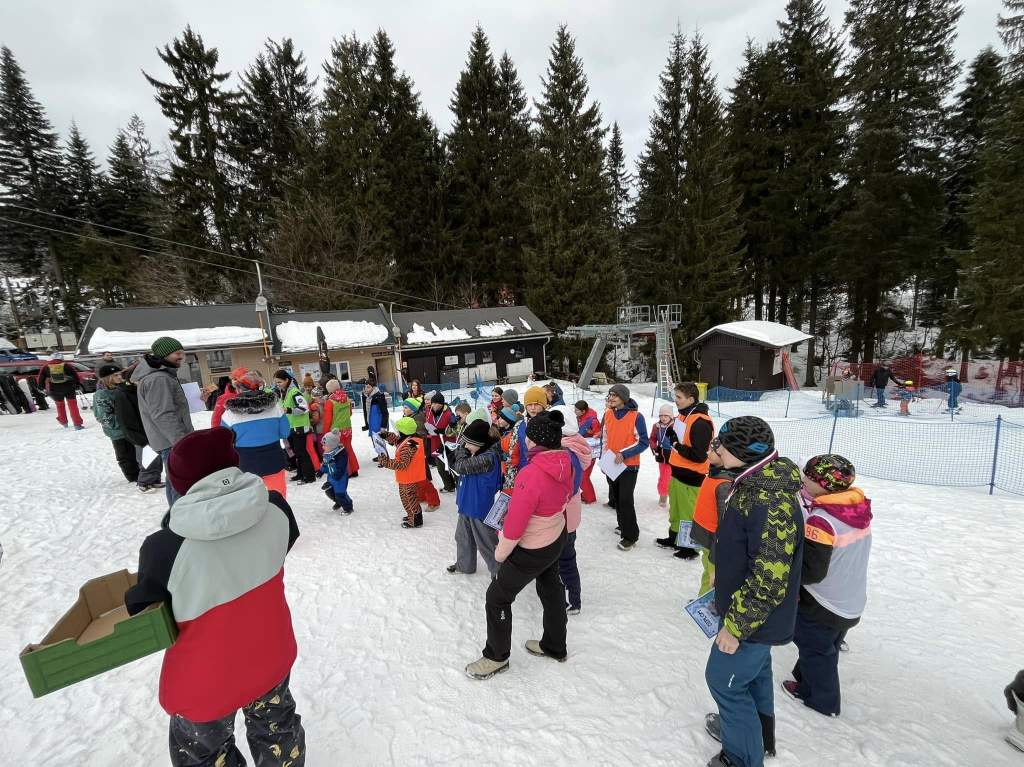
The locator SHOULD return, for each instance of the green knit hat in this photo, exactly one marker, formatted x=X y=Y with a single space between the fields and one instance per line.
x=406 y=426
x=165 y=345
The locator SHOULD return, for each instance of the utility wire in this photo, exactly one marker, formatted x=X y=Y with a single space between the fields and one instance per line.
x=262 y=264
x=194 y=260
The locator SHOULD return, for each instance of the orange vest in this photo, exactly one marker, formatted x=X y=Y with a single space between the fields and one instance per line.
x=677 y=460
x=705 y=512
x=416 y=471
x=619 y=435
x=506 y=443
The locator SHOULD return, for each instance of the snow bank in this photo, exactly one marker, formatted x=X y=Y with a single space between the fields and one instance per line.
x=136 y=341
x=298 y=336
x=420 y=335
x=494 y=329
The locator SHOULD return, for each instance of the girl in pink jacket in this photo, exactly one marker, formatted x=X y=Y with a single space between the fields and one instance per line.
x=529 y=546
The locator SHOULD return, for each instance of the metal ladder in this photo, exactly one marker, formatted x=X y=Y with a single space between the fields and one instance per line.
x=668 y=366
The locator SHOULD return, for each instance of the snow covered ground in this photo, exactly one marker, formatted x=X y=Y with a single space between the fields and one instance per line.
x=384 y=632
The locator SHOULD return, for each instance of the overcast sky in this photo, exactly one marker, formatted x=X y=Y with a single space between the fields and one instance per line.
x=84 y=60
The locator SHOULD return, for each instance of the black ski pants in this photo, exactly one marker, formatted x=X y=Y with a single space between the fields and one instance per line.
x=620 y=494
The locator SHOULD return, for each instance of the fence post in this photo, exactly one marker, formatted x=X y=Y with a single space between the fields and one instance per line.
x=835 y=421
x=789 y=393
x=995 y=456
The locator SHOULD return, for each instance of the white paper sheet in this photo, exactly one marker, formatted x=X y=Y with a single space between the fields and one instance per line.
x=607 y=465
x=148 y=456
x=679 y=427
x=195 y=405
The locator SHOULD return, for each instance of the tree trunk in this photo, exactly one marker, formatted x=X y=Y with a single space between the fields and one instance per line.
x=772 y=293
x=58 y=275
x=783 y=312
x=917 y=296
x=812 y=329
x=758 y=296
x=53 y=312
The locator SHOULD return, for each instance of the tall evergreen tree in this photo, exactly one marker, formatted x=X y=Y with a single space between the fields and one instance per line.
x=710 y=246
x=991 y=301
x=274 y=126
x=570 y=200
x=655 y=266
x=621 y=181
x=756 y=150
x=901 y=71
x=30 y=169
x=806 y=189
x=199 y=191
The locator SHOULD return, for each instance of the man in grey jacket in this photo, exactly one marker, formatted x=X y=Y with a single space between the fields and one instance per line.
x=162 y=403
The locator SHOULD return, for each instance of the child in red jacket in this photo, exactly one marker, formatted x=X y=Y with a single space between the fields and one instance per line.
x=590 y=429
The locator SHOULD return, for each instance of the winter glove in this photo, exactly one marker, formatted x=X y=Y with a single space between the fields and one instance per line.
x=288 y=410
x=673 y=438
x=1016 y=686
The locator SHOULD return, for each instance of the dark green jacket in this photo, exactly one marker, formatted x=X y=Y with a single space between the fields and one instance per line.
x=103 y=409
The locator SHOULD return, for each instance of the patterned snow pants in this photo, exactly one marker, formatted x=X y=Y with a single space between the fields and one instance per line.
x=273 y=729
x=409 y=495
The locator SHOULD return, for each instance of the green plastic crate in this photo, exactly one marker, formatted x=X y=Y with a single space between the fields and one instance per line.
x=59 y=661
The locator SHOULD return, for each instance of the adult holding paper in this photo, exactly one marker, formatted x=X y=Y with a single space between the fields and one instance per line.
x=760 y=547
x=375 y=414
x=162 y=402
x=688 y=459
x=626 y=438
x=529 y=546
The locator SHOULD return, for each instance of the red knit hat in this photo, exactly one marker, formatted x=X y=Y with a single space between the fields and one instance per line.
x=238 y=372
x=199 y=455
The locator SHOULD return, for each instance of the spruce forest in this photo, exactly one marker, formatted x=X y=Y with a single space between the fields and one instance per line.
x=857 y=182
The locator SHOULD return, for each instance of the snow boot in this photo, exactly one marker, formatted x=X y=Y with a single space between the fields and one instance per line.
x=454 y=570
x=713 y=725
x=663 y=500
x=668 y=542
x=433 y=508
x=417 y=521
x=843 y=647
x=685 y=553
x=570 y=610
x=1015 y=737
x=485 y=668
x=78 y=427
x=147 y=489
x=625 y=545
x=533 y=647
x=721 y=761
x=353 y=475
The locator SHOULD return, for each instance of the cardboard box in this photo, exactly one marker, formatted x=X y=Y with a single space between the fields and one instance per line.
x=97 y=635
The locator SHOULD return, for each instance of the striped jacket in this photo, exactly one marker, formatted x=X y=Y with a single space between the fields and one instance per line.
x=259 y=425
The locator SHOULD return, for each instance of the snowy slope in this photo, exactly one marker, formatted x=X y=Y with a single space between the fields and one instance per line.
x=384 y=633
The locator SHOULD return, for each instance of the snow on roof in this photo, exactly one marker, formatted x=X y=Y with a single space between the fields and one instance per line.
x=420 y=335
x=525 y=324
x=761 y=332
x=494 y=329
x=5 y=344
x=133 y=341
x=298 y=336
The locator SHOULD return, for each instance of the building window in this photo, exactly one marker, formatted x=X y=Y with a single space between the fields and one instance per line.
x=219 y=362
x=519 y=352
x=341 y=369
x=486 y=357
x=470 y=358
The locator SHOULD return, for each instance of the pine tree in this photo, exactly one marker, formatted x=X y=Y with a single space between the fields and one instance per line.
x=201 y=110
x=900 y=74
x=621 y=181
x=31 y=169
x=570 y=201
x=976 y=105
x=486 y=150
x=710 y=246
x=806 y=190
x=756 y=149
x=991 y=301
x=274 y=126
x=656 y=269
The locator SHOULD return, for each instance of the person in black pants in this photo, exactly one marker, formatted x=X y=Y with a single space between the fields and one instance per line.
x=529 y=546
x=880 y=379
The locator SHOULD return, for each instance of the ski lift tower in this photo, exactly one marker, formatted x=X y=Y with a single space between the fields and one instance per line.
x=634 y=321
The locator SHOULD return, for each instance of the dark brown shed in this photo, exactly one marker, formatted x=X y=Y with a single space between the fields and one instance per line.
x=745 y=355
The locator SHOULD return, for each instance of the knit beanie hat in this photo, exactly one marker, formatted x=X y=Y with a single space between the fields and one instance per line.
x=508 y=415
x=478 y=415
x=437 y=399
x=510 y=397
x=478 y=433
x=669 y=410
x=543 y=431
x=199 y=455
x=832 y=472
x=411 y=403
x=583 y=406
x=108 y=370
x=333 y=386
x=621 y=391
x=57 y=356
x=165 y=345
x=331 y=440
x=535 y=396
x=246 y=382
x=748 y=437
x=406 y=426
x=238 y=372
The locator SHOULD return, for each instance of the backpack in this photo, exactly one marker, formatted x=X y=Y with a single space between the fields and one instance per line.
x=57 y=374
